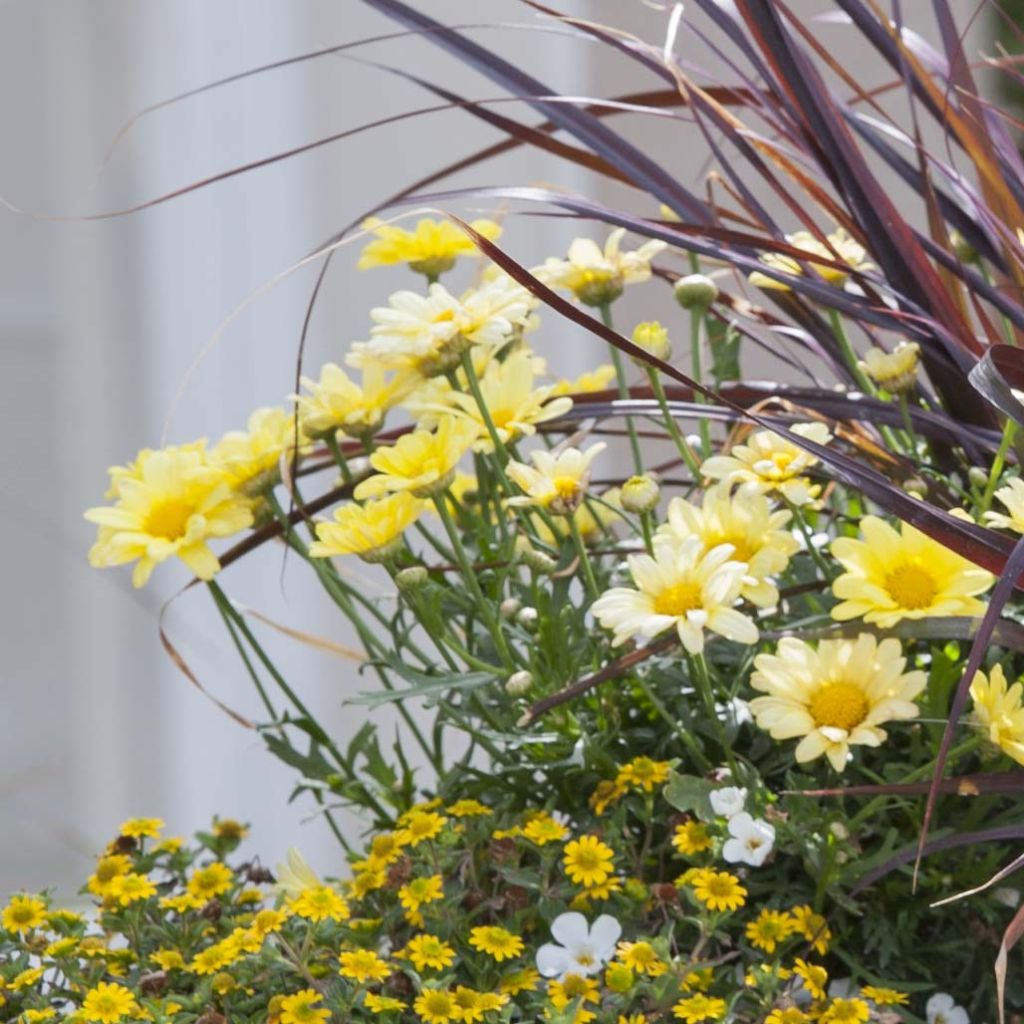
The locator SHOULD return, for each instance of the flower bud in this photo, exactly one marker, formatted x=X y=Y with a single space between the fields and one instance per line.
x=695 y=291
x=508 y=608
x=916 y=486
x=539 y=562
x=962 y=249
x=894 y=371
x=653 y=338
x=640 y=494
x=977 y=477
x=527 y=618
x=411 y=578
x=519 y=683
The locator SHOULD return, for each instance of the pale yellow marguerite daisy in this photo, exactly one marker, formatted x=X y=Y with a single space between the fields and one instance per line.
x=842 y=248
x=999 y=711
x=1012 y=497
x=373 y=531
x=431 y=248
x=682 y=587
x=422 y=462
x=134 y=469
x=172 y=505
x=295 y=875
x=598 y=379
x=772 y=463
x=497 y=311
x=591 y=519
x=252 y=457
x=744 y=519
x=894 y=575
x=511 y=400
x=336 y=402
x=895 y=371
x=556 y=481
x=597 y=277
x=834 y=697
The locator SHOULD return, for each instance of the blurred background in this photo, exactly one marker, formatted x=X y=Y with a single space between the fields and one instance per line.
x=113 y=331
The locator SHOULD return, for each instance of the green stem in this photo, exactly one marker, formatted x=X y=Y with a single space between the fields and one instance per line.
x=331 y=440
x=808 y=536
x=581 y=550
x=687 y=739
x=697 y=317
x=501 y=455
x=682 y=445
x=998 y=464
x=702 y=678
x=620 y=377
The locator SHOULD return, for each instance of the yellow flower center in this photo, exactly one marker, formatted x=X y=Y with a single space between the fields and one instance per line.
x=679 y=599
x=781 y=461
x=574 y=985
x=22 y=914
x=445 y=316
x=567 y=487
x=840 y=705
x=168 y=519
x=439 y=1003
x=588 y=859
x=911 y=586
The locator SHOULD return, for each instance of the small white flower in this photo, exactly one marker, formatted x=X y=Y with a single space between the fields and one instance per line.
x=728 y=801
x=578 y=948
x=941 y=1009
x=750 y=842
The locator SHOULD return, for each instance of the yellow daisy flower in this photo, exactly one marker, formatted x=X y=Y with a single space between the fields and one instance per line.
x=697 y=1008
x=131 y=888
x=906 y=575
x=23 y=913
x=691 y=837
x=606 y=793
x=421 y=826
x=845 y=1011
x=643 y=773
x=212 y=959
x=813 y=927
x=834 y=697
x=555 y=481
x=884 y=996
x=168 y=959
x=588 y=861
x=642 y=958
x=185 y=901
x=302 y=1008
x=436 y=1006
x=420 y=891
x=421 y=462
x=1012 y=496
x=525 y=980
x=619 y=978
x=177 y=503
x=814 y=977
x=496 y=942
x=141 y=828
x=595 y=277
x=385 y=848
x=744 y=519
x=543 y=829
x=107 y=870
x=252 y=457
x=894 y=371
x=373 y=531
x=682 y=586
x=841 y=249
x=469 y=1006
x=770 y=929
x=363 y=965
x=789 y=1015
x=769 y=463
x=999 y=711
x=428 y=951
x=468 y=809
x=431 y=248
x=718 y=890
x=211 y=880
x=382 y=1004
x=320 y=903
x=599 y=379
x=108 y=1004
x=336 y=402
x=573 y=987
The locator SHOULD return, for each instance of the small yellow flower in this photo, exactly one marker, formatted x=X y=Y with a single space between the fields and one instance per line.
x=606 y=793
x=23 y=914
x=363 y=965
x=107 y=870
x=141 y=828
x=252 y=457
x=588 y=861
x=894 y=371
x=699 y=980
x=841 y=249
x=61 y=948
x=428 y=951
x=431 y=248
x=770 y=463
x=185 y=901
x=1012 y=497
x=718 y=890
x=422 y=826
x=212 y=959
x=496 y=942
x=769 y=929
x=320 y=903
x=543 y=829
x=302 y=1008
x=642 y=958
x=813 y=927
x=618 y=977
x=108 y=1004
x=468 y=809
x=652 y=338
x=172 y=844
x=211 y=880
x=525 y=980
x=597 y=278
x=555 y=481
x=469 y=1006
x=436 y=1006
x=131 y=888
x=36 y=1016
x=420 y=891
x=694 y=1009
x=884 y=996
x=174 y=504
x=168 y=959
x=268 y=921
x=382 y=1004
x=373 y=531
x=386 y=848
x=25 y=979
x=643 y=773
x=573 y=987
x=845 y=1011
x=789 y=1015
x=229 y=828
x=814 y=977
x=836 y=696
x=691 y=837
x=422 y=462
x=999 y=711
x=598 y=379
x=894 y=575
x=336 y=402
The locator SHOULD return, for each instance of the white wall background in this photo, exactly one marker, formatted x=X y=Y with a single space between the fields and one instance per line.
x=100 y=321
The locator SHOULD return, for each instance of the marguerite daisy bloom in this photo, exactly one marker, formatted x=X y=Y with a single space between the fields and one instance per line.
x=252 y=457
x=336 y=402
x=175 y=504
x=598 y=379
x=555 y=481
x=595 y=277
x=906 y=575
x=841 y=248
x=895 y=371
x=682 y=586
x=431 y=248
x=373 y=531
x=833 y=697
x=1012 y=496
x=999 y=711
x=497 y=311
x=512 y=402
x=579 y=948
x=745 y=520
x=421 y=462
x=769 y=462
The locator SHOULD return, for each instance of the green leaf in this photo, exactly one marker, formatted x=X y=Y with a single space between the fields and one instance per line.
x=690 y=794
x=724 y=343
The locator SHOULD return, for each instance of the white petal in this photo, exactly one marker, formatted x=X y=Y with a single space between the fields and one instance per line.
x=604 y=935
x=570 y=929
x=553 y=960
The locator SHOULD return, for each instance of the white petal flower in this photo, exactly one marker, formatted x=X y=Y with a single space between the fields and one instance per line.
x=750 y=842
x=942 y=1009
x=578 y=948
x=728 y=801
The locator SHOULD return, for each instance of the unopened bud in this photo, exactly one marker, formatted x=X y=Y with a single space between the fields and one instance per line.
x=527 y=618
x=962 y=249
x=640 y=494
x=695 y=291
x=509 y=607
x=978 y=477
x=653 y=338
x=519 y=683
x=839 y=830
x=916 y=486
x=411 y=578
x=541 y=563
